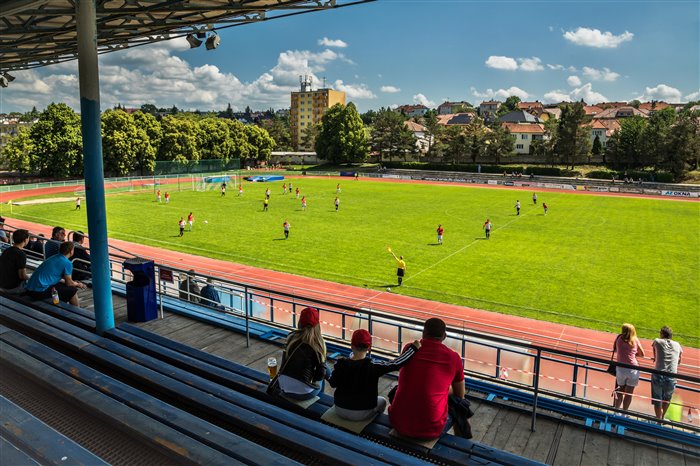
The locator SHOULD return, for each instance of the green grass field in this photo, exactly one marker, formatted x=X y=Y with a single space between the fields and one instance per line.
x=593 y=261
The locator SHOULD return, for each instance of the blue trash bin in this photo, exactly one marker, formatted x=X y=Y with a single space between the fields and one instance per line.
x=141 y=304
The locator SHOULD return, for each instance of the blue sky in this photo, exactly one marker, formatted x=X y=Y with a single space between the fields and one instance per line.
x=391 y=52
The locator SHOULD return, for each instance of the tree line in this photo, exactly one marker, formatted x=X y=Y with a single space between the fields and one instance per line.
x=131 y=143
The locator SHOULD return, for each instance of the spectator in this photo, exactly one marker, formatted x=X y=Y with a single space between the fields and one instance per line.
x=3 y=234
x=355 y=379
x=37 y=246
x=210 y=297
x=303 y=366
x=13 y=262
x=58 y=236
x=626 y=347
x=81 y=258
x=189 y=291
x=55 y=272
x=430 y=394
x=667 y=356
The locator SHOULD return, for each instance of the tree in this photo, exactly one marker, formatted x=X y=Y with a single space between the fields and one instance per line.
x=280 y=131
x=573 y=142
x=456 y=144
x=655 y=137
x=120 y=138
x=309 y=135
x=597 y=148
x=434 y=129
x=624 y=148
x=17 y=154
x=259 y=142
x=369 y=116
x=390 y=136
x=342 y=138
x=238 y=140
x=634 y=103
x=684 y=144
x=151 y=134
x=214 y=140
x=30 y=116
x=57 y=142
x=179 y=140
x=510 y=105
x=229 y=112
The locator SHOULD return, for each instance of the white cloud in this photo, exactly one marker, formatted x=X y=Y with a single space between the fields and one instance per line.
x=326 y=42
x=500 y=93
x=551 y=28
x=354 y=91
x=596 y=38
x=423 y=100
x=502 y=63
x=573 y=81
x=152 y=74
x=600 y=75
x=661 y=92
x=556 y=97
x=511 y=64
x=693 y=96
x=530 y=64
x=390 y=89
x=584 y=92
x=571 y=69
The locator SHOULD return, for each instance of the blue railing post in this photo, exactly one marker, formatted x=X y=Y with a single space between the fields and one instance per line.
x=536 y=386
x=247 y=314
x=575 y=380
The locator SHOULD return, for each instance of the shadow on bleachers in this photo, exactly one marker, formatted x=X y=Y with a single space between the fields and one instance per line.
x=216 y=407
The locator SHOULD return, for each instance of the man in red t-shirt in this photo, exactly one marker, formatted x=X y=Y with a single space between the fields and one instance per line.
x=419 y=408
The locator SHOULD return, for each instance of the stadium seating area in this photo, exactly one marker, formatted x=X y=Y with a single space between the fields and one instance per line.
x=176 y=395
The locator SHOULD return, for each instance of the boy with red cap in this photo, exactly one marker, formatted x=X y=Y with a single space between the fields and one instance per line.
x=303 y=366
x=355 y=379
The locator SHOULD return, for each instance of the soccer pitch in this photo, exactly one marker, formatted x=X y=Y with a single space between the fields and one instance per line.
x=592 y=261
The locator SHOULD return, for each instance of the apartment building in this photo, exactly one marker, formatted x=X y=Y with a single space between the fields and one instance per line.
x=308 y=107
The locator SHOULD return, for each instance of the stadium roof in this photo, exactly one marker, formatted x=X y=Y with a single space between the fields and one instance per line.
x=36 y=33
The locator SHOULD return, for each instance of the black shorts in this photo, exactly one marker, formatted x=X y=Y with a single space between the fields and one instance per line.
x=400 y=272
x=65 y=292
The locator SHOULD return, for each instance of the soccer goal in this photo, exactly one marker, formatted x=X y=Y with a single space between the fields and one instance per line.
x=213 y=182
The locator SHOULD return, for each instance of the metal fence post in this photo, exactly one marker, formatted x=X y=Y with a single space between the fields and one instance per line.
x=247 y=323
x=536 y=384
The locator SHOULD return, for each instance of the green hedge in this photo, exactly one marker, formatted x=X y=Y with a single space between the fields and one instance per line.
x=474 y=168
x=660 y=177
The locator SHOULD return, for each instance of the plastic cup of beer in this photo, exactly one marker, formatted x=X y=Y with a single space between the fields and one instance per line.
x=272 y=367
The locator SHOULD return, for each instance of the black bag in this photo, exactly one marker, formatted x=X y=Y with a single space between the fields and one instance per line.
x=612 y=367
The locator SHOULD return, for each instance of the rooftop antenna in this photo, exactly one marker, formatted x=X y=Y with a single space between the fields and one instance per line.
x=324 y=82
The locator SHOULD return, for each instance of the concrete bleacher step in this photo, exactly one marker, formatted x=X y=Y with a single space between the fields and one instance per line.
x=27 y=440
x=450 y=450
x=181 y=436
x=316 y=440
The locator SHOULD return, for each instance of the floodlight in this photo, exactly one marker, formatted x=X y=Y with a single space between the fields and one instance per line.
x=3 y=81
x=213 y=41
x=193 y=41
x=201 y=35
x=8 y=76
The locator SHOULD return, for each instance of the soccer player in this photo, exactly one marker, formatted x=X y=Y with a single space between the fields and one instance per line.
x=190 y=220
x=284 y=188
x=303 y=202
x=337 y=188
x=77 y=203
x=440 y=231
x=337 y=203
x=167 y=197
x=181 y=224
x=240 y=189
x=545 y=207
x=517 y=207
x=534 y=198
x=266 y=204
x=223 y=190
x=487 y=228
x=286 y=226
x=401 y=267
x=158 y=196
x=267 y=193
x=297 y=191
